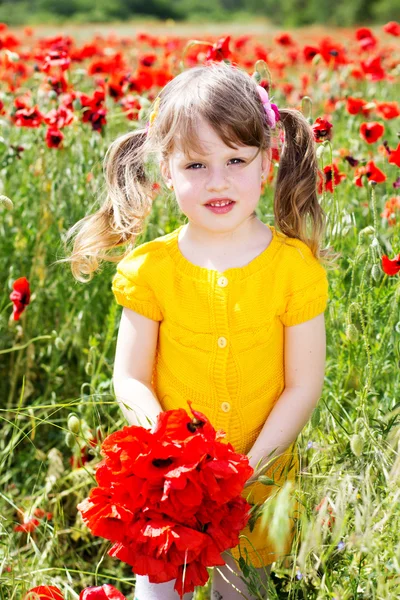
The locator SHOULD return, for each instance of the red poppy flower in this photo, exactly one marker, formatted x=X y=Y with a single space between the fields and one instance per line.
x=28 y=117
x=170 y=498
x=39 y=512
x=327 y=182
x=373 y=69
x=391 y=266
x=333 y=53
x=54 y=137
x=393 y=28
x=28 y=526
x=44 y=592
x=309 y=52
x=220 y=50
x=320 y=506
x=20 y=296
x=388 y=110
x=101 y=592
x=322 y=130
x=59 y=117
x=56 y=58
x=354 y=106
x=58 y=83
x=284 y=39
x=366 y=38
x=371 y=171
x=131 y=106
x=371 y=132
x=394 y=156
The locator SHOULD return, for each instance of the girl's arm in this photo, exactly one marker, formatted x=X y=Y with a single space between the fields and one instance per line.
x=305 y=354
x=133 y=368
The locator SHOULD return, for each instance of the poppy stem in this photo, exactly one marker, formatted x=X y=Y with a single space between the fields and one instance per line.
x=14 y=348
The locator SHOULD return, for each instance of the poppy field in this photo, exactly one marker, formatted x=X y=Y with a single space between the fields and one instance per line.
x=63 y=100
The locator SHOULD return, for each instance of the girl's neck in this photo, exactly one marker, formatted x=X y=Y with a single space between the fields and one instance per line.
x=232 y=250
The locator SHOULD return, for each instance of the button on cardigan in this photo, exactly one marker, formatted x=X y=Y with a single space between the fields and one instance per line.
x=221 y=342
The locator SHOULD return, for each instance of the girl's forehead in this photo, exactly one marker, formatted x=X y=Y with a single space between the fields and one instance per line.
x=218 y=148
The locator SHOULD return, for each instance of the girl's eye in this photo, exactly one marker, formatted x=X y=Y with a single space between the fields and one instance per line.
x=195 y=164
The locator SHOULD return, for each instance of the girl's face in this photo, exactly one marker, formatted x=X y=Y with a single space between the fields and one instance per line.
x=221 y=172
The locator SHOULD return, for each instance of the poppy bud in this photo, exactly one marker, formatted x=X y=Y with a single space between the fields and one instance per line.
x=77 y=104
x=7 y=202
x=59 y=343
x=356 y=444
x=369 y=230
x=74 y=423
x=12 y=56
x=376 y=272
x=352 y=332
x=89 y=368
x=306 y=107
x=70 y=440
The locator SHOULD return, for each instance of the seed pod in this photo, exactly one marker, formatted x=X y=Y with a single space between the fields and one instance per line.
x=376 y=272
x=356 y=444
x=59 y=343
x=74 y=423
x=77 y=104
x=266 y=480
x=70 y=439
x=7 y=202
x=89 y=368
x=352 y=332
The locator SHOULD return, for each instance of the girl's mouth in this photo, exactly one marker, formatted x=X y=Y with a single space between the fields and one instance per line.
x=220 y=210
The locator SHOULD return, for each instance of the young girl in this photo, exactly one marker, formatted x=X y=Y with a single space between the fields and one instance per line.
x=225 y=310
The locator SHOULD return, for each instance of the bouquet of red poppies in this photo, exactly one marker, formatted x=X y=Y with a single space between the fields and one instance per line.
x=169 y=498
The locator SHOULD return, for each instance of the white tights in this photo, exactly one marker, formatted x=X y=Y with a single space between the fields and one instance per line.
x=221 y=589
x=144 y=590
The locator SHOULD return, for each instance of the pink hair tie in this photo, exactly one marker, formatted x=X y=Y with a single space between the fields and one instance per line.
x=271 y=110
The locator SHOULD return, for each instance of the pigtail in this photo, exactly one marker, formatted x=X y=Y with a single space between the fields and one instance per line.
x=296 y=199
x=128 y=201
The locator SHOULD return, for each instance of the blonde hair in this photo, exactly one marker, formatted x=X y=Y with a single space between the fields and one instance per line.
x=227 y=98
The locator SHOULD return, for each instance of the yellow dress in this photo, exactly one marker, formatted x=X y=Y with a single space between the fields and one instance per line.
x=221 y=340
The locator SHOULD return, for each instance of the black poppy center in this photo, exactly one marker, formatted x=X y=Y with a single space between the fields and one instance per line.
x=194 y=425
x=162 y=462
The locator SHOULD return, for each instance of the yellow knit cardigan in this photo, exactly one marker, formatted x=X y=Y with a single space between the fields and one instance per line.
x=221 y=343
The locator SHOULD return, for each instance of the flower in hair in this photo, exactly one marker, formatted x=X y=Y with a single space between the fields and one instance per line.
x=271 y=110
x=153 y=114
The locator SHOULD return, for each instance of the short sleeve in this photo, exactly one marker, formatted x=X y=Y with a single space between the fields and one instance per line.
x=132 y=291
x=307 y=301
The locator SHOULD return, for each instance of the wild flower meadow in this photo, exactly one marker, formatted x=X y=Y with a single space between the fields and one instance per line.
x=61 y=103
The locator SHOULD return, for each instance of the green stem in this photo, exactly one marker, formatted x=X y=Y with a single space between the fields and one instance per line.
x=15 y=348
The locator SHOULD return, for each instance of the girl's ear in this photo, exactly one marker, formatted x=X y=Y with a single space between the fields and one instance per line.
x=165 y=173
x=266 y=160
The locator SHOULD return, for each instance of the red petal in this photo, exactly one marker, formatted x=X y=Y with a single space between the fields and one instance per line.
x=45 y=592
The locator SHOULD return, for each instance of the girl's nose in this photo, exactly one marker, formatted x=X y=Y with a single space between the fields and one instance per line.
x=217 y=181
